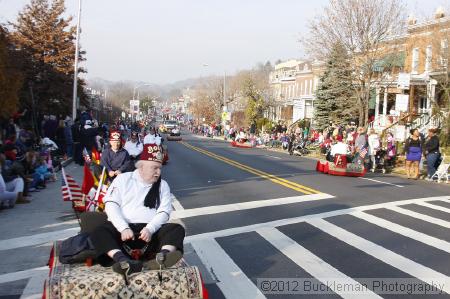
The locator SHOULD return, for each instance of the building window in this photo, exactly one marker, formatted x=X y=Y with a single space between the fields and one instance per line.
x=444 y=53
x=428 y=59
x=415 y=61
x=309 y=109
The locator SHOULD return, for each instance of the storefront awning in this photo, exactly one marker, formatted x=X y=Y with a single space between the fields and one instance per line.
x=389 y=61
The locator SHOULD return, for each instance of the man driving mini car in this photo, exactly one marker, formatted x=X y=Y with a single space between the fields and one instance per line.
x=138 y=205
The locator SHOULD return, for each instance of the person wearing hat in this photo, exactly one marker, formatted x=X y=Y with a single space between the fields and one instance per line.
x=115 y=159
x=138 y=205
x=153 y=137
x=339 y=148
x=134 y=146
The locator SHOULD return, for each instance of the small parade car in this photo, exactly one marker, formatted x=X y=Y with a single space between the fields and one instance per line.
x=83 y=278
x=174 y=135
x=340 y=167
x=245 y=144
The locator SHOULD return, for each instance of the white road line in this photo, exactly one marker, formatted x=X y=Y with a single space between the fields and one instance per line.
x=35 y=286
x=232 y=281
x=8 y=277
x=381 y=182
x=281 y=222
x=274 y=157
x=402 y=230
x=43 y=238
x=60 y=224
x=423 y=217
x=176 y=204
x=248 y=205
x=391 y=258
x=314 y=265
x=37 y=238
x=435 y=207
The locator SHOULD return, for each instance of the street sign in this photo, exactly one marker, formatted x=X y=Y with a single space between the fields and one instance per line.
x=404 y=80
x=134 y=106
x=401 y=102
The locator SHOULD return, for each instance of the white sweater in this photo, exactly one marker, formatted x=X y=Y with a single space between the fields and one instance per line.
x=124 y=203
x=133 y=148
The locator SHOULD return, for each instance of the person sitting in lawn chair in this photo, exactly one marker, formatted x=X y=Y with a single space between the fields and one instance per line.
x=138 y=205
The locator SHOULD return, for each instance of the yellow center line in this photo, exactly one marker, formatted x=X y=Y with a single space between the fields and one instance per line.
x=261 y=173
x=265 y=175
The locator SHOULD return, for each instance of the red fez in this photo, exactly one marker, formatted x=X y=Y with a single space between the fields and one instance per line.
x=114 y=136
x=152 y=152
x=339 y=138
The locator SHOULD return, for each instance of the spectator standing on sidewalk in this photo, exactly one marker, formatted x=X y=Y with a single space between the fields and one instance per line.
x=76 y=137
x=413 y=152
x=432 y=152
x=60 y=138
x=68 y=136
x=360 y=145
x=374 y=145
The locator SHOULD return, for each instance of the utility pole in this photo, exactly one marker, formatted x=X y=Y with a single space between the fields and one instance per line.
x=75 y=73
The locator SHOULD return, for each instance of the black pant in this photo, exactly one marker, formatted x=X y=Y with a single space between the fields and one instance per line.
x=78 y=153
x=106 y=238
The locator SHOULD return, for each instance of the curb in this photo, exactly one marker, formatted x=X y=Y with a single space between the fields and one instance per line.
x=64 y=164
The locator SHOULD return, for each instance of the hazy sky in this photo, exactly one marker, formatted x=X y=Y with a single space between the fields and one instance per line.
x=163 y=41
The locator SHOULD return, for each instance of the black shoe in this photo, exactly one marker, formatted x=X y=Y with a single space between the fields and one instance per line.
x=127 y=268
x=164 y=259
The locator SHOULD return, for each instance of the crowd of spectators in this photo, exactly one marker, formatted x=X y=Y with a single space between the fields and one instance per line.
x=360 y=145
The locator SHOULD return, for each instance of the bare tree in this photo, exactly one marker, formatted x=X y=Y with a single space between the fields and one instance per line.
x=437 y=59
x=208 y=100
x=364 y=28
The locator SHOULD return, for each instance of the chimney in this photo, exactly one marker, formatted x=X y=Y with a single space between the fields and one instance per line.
x=440 y=13
x=412 y=20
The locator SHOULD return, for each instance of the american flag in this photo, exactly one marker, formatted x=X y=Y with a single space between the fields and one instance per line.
x=71 y=191
x=363 y=152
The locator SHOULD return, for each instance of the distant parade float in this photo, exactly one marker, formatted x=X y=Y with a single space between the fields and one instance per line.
x=340 y=167
x=245 y=144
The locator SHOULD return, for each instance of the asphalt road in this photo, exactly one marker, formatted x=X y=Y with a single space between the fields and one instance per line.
x=265 y=224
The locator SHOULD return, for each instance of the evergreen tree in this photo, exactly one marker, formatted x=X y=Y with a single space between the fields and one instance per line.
x=335 y=98
x=47 y=43
x=323 y=103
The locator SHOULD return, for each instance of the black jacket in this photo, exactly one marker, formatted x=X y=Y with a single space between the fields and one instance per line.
x=432 y=145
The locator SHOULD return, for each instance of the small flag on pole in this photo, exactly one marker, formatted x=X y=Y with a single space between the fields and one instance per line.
x=71 y=191
x=363 y=152
x=96 y=156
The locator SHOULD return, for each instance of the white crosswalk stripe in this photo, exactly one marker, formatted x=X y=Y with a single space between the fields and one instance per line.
x=420 y=216
x=320 y=269
x=234 y=282
x=432 y=206
x=313 y=264
x=405 y=231
x=406 y=265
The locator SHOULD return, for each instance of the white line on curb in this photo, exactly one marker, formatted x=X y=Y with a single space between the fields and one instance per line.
x=381 y=182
